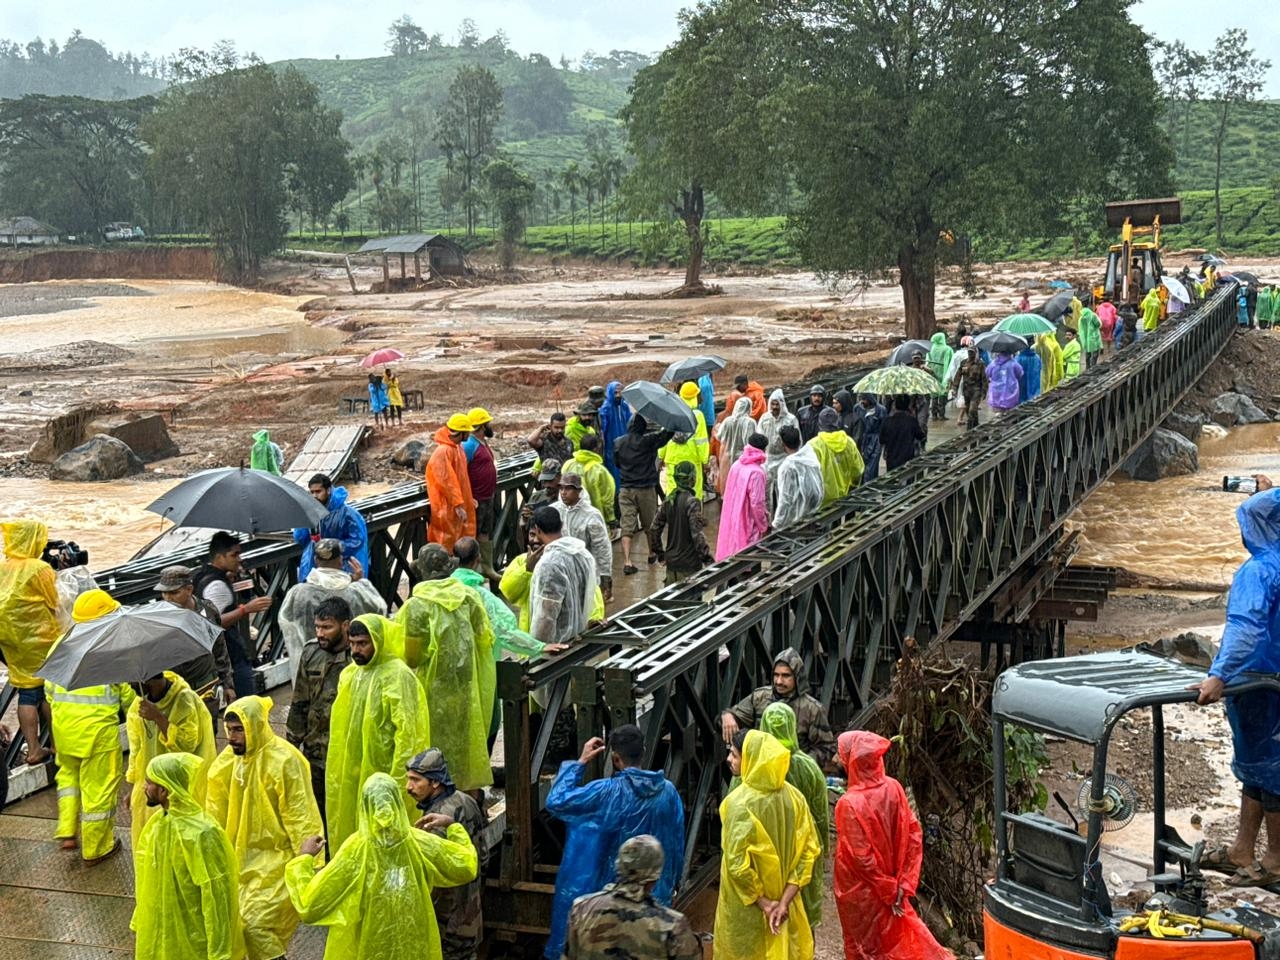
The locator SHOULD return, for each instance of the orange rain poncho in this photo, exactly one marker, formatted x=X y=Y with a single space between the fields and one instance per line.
x=28 y=602
x=453 y=511
x=878 y=853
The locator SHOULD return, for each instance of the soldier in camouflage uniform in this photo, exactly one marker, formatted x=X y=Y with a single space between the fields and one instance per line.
x=816 y=738
x=316 y=686
x=458 y=909
x=623 y=921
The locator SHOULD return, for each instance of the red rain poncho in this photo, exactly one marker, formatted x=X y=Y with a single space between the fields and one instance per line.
x=878 y=852
x=453 y=511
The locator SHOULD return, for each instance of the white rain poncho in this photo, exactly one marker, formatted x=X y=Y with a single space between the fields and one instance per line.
x=584 y=522
x=770 y=426
x=298 y=613
x=733 y=433
x=957 y=358
x=563 y=591
x=799 y=488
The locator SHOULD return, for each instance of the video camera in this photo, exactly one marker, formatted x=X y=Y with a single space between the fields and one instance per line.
x=64 y=554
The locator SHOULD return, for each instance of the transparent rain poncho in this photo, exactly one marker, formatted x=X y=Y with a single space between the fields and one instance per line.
x=375 y=894
x=768 y=841
x=378 y=722
x=562 y=592
x=265 y=802
x=448 y=643
x=799 y=488
x=770 y=425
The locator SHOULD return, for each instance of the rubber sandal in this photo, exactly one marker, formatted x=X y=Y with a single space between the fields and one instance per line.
x=629 y=569
x=1219 y=860
x=1254 y=875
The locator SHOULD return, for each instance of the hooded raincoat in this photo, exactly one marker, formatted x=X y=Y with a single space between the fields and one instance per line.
x=939 y=359
x=378 y=722
x=770 y=425
x=298 y=612
x=596 y=480
x=706 y=399
x=779 y=721
x=508 y=637
x=878 y=855
x=190 y=731
x=516 y=585
x=744 y=517
x=1050 y=353
x=265 y=455
x=342 y=523
x=562 y=592
x=615 y=417
x=28 y=602
x=453 y=512
x=1107 y=320
x=1150 y=307
x=449 y=645
x=1090 y=331
x=375 y=894
x=265 y=803
x=799 y=489
x=1006 y=383
x=185 y=874
x=1029 y=388
x=733 y=432
x=840 y=461
x=1071 y=360
x=768 y=841
x=852 y=419
x=1251 y=644
x=601 y=816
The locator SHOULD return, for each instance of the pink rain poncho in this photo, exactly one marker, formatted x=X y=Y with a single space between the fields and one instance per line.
x=744 y=518
x=878 y=852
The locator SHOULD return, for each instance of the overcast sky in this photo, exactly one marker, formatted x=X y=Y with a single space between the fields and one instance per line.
x=287 y=29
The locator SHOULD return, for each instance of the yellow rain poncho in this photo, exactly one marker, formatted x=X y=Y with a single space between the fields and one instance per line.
x=1051 y=366
x=516 y=583
x=841 y=464
x=28 y=602
x=265 y=802
x=185 y=868
x=779 y=720
x=767 y=840
x=190 y=731
x=376 y=892
x=448 y=643
x=378 y=722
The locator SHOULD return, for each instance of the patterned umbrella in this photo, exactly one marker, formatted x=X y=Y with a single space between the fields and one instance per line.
x=897 y=380
x=1025 y=325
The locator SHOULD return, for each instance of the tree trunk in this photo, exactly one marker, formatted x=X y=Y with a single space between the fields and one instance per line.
x=915 y=275
x=691 y=211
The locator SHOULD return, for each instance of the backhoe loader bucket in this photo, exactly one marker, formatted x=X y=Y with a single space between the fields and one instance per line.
x=1143 y=213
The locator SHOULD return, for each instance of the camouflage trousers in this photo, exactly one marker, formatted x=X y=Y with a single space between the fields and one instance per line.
x=453 y=947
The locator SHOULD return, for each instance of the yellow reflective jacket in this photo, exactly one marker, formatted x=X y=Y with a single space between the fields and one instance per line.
x=190 y=731
x=376 y=892
x=841 y=464
x=265 y=802
x=378 y=722
x=672 y=453
x=28 y=602
x=185 y=874
x=767 y=841
x=86 y=721
x=448 y=643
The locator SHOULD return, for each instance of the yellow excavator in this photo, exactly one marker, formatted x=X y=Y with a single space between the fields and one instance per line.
x=1133 y=264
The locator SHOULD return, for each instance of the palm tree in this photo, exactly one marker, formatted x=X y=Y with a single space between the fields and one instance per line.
x=359 y=163
x=571 y=180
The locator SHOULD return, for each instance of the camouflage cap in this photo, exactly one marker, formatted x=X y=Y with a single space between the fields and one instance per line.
x=640 y=860
x=430 y=763
x=433 y=562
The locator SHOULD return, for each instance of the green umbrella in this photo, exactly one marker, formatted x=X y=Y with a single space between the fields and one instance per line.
x=897 y=380
x=1025 y=325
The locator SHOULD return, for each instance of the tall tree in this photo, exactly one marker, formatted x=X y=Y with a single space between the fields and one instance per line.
x=319 y=170
x=1180 y=71
x=405 y=38
x=1235 y=77
x=571 y=180
x=466 y=130
x=511 y=191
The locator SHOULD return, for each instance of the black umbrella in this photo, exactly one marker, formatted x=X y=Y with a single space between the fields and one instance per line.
x=997 y=341
x=659 y=405
x=1055 y=306
x=1245 y=276
x=691 y=368
x=903 y=352
x=233 y=498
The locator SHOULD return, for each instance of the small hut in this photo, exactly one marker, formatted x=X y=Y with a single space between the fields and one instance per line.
x=27 y=231
x=441 y=256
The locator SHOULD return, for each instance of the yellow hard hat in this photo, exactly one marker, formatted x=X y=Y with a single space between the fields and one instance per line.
x=460 y=423
x=689 y=391
x=478 y=416
x=93 y=604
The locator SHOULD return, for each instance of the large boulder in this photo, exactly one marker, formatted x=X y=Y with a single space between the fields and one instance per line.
x=1189 y=425
x=1163 y=454
x=1193 y=649
x=409 y=454
x=1235 y=409
x=146 y=434
x=98 y=458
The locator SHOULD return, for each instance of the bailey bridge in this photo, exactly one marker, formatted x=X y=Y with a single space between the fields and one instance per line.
x=965 y=541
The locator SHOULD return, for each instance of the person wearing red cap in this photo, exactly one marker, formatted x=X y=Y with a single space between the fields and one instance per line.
x=453 y=510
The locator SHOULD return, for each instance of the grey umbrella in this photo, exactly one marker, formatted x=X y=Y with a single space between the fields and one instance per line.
x=129 y=645
x=233 y=498
x=659 y=405
x=997 y=341
x=690 y=368
x=903 y=352
x=1055 y=306
x=1244 y=276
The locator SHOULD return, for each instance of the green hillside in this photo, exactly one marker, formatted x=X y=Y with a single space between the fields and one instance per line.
x=1250 y=154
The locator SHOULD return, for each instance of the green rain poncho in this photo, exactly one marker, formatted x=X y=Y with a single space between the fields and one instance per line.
x=376 y=892
x=768 y=840
x=939 y=360
x=507 y=635
x=264 y=454
x=449 y=644
x=841 y=464
x=378 y=722
x=779 y=720
x=1090 y=331
x=186 y=875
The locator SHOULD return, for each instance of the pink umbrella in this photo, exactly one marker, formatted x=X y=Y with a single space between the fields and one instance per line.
x=381 y=357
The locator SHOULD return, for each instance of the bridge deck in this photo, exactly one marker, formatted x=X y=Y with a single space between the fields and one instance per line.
x=329 y=450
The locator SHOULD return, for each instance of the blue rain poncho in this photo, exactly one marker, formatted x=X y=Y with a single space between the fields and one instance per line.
x=615 y=416
x=601 y=816
x=342 y=523
x=1029 y=389
x=1251 y=644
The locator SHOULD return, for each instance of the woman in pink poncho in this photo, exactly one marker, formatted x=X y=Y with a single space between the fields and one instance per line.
x=744 y=517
